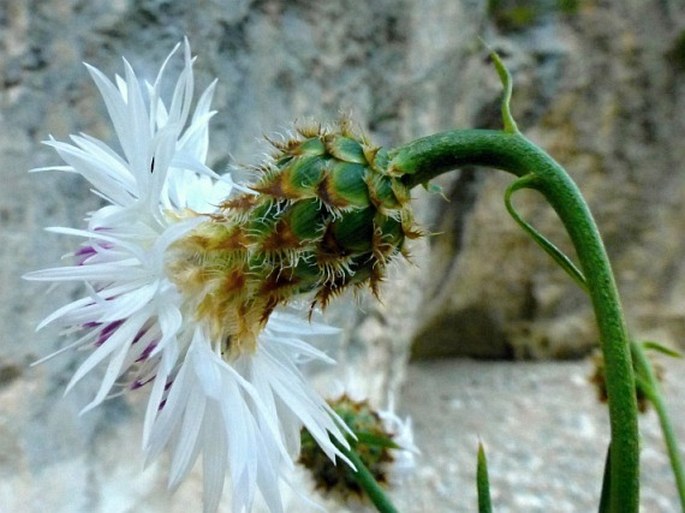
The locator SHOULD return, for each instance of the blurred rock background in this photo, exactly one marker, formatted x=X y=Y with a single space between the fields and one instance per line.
x=599 y=83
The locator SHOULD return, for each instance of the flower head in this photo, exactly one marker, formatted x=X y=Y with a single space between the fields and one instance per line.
x=143 y=318
x=383 y=442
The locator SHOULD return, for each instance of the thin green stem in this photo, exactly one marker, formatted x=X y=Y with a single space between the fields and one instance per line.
x=650 y=386
x=373 y=490
x=425 y=158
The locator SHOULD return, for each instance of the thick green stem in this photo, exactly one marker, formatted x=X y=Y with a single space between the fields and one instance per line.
x=363 y=476
x=428 y=157
x=650 y=386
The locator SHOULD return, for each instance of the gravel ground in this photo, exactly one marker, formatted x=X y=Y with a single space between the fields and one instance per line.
x=544 y=432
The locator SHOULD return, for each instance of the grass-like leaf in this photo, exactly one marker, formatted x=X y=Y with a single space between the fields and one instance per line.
x=606 y=484
x=660 y=348
x=366 y=438
x=529 y=182
x=483 y=482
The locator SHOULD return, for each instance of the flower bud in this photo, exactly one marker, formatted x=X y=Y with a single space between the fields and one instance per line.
x=382 y=442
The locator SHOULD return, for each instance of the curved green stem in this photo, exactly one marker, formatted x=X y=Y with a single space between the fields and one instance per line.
x=649 y=384
x=423 y=159
x=366 y=480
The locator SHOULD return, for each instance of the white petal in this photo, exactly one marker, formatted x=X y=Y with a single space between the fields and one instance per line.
x=86 y=339
x=158 y=115
x=170 y=322
x=164 y=369
x=60 y=312
x=116 y=107
x=170 y=415
x=126 y=305
x=186 y=447
x=293 y=325
x=136 y=140
x=95 y=272
x=214 y=458
x=121 y=337
x=207 y=372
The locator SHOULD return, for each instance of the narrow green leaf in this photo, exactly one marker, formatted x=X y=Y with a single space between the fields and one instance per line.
x=507 y=84
x=367 y=482
x=483 y=482
x=642 y=384
x=606 y=484
x=366 y=438
x=647 y=380
x=528 y=182
x=660 y=348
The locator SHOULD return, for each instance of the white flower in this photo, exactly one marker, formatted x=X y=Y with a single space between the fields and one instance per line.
x=131 y=310
x=243 y=415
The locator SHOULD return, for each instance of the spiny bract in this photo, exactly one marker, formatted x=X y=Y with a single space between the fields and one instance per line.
x=324 y=215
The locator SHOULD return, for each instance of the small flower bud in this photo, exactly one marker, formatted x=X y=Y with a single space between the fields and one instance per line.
x=382 y=441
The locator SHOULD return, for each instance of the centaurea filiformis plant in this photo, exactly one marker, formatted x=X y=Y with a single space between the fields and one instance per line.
x=188 y=279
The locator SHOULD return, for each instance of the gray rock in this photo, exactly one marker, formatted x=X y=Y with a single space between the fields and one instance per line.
x=597 y=90
x=600 y=88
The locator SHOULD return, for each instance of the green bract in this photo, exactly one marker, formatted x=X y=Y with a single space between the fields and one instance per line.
x=326 y=215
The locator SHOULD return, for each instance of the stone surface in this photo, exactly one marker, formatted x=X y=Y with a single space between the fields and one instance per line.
x=544 y=433
x=598 y=90
x=600 y=86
